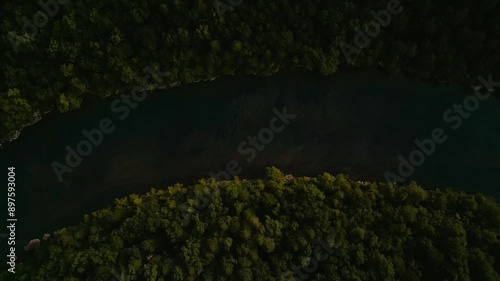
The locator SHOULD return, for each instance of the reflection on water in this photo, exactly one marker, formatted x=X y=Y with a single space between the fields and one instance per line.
x=356 y=123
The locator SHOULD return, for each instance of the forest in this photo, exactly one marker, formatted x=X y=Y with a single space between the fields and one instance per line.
x=57 y=55
x=278 y=228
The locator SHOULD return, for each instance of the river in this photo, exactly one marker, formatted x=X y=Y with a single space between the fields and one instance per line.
x=356 y=123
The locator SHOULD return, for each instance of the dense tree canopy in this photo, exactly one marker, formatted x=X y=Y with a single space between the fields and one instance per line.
x=327 y=227
x=87 y=48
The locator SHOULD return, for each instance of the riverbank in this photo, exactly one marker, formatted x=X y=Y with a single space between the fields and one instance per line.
x=470 y=85
x=275 y=217
x=353 y=123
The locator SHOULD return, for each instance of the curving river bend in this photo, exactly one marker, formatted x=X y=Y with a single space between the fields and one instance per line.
x=356 y=123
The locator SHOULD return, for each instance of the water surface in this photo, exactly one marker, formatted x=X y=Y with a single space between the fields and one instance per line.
x=356 y=123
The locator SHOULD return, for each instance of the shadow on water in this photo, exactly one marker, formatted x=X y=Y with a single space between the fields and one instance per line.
x=355 y=123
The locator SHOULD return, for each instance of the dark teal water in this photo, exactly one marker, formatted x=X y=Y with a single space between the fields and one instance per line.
x=356 y=123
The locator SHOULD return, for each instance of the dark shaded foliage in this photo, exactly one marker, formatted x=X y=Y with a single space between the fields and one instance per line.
x=93 y=48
